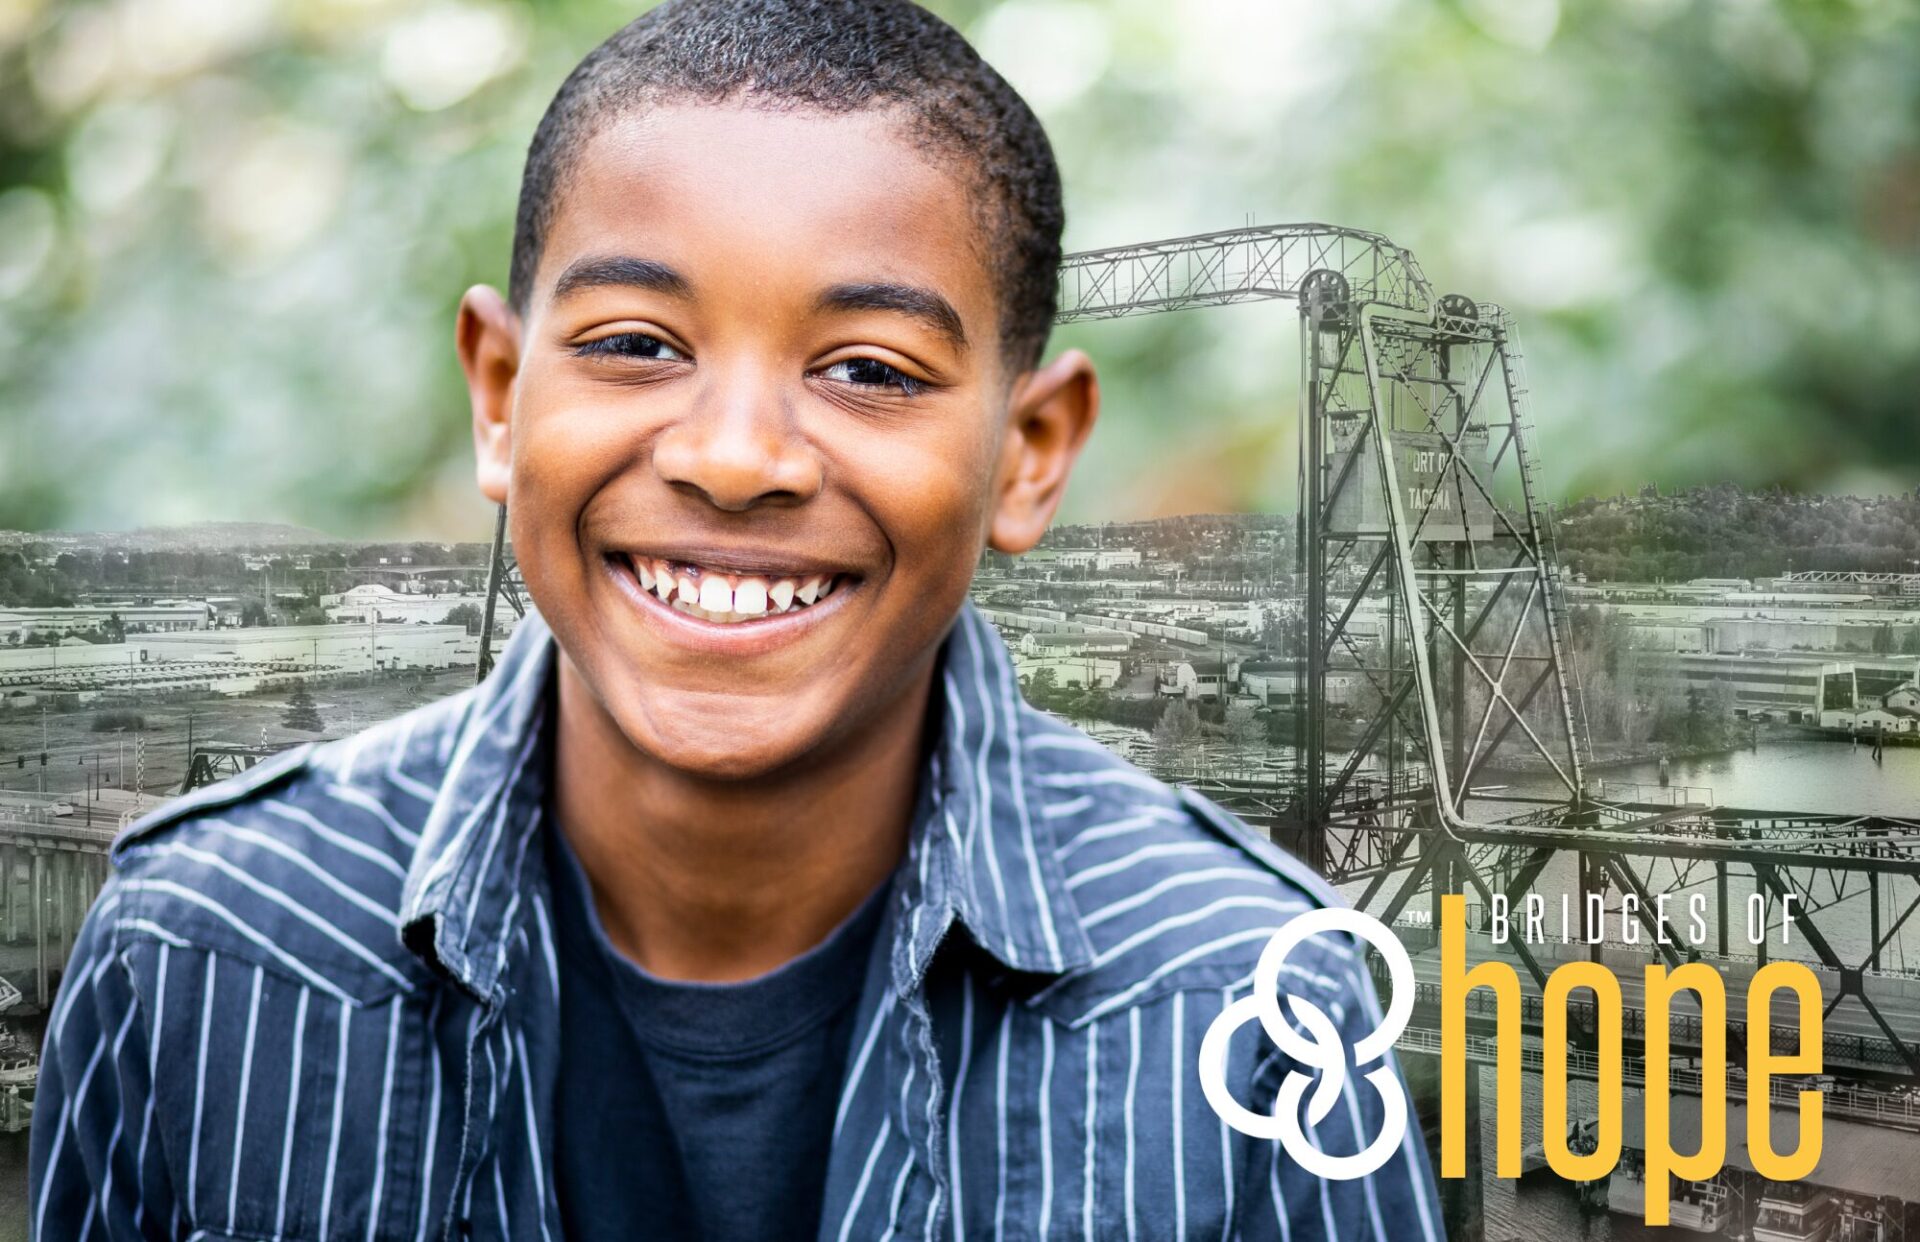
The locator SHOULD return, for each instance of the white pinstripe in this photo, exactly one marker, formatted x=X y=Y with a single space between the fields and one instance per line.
x=375 y=1199
x=1126 y=1106
x=1146 y=853
x=293 y=1105
x=1178 y=1072
x=1004 y=1037
x=866 y=1176
x=339 y=840
x=433 y=1123
x=1046 y=1125
x=1089 y=1186
x=953 y=1107
x=240 y=1110
x=200 y=1090
x=339 y=1106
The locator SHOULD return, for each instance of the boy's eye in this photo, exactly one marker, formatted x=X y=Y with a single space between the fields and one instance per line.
x=630 y=345
x=872 y=373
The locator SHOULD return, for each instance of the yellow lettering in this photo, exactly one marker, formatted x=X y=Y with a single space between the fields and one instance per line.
x=1455 y=982
x=1606 y=995
x=1763 y=1063
x=1662 y=987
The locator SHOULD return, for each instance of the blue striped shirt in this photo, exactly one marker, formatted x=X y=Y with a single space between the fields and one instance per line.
x=319 y=1001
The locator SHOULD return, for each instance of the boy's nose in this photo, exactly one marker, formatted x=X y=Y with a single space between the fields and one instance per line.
x=739 y=454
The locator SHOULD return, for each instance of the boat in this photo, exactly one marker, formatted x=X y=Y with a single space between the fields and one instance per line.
x=1795 y=1212
x=1864 y=1221
x=1695 y=1207
x=1627 y=1186
x=1702 y=1207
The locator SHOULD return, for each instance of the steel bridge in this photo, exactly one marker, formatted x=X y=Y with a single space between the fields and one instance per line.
x=51 y=868
x=1419 y=514
x=1426 y=566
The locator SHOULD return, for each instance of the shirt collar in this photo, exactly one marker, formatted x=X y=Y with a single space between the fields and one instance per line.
x=980 y=852
x=982 y=849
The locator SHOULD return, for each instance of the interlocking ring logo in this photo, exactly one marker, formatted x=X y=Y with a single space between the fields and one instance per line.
x=1324 y=1051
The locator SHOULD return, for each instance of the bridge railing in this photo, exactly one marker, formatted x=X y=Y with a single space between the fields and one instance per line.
x=41 y=823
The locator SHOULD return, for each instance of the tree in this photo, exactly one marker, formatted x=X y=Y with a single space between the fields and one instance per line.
x=1245 y=733
x=1175 y=737
x=302 y=713
x=467 y=615
x=252 y=613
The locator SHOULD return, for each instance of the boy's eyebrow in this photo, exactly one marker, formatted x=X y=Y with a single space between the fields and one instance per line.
x=593 y=273
x=923 y=304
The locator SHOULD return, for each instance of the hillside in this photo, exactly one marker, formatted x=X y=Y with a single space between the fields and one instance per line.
x=1725 y=532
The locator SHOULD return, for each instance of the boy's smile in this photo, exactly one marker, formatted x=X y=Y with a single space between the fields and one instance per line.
x=757 y=425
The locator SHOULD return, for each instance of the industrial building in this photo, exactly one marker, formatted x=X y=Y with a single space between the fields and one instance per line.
x=1788 y=682
x=1198 y=679
x=349 y=648
x=1071 y=672
x=1086 y=642
x=372 y=602
x=98 y=618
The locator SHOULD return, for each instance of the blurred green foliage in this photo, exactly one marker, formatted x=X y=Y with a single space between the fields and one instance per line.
x=233 y=232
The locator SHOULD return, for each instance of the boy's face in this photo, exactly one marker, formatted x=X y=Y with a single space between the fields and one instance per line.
x=760 y=365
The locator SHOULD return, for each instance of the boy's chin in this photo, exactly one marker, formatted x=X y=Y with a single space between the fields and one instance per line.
x=715 y=744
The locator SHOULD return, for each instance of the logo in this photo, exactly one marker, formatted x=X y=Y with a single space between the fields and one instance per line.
x=1321 y=1048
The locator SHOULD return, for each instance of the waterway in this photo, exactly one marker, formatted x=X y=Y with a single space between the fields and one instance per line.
x=1789 y=775
x=1793 y=775
x=1828 y=778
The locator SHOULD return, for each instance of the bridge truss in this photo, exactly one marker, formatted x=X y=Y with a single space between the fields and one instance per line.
x=1435 y=651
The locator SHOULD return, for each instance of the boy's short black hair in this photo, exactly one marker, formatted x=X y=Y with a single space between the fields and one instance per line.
x=835 y=56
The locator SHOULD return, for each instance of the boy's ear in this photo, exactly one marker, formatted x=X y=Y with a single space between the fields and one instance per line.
x=1051 y=411
x=488 y=339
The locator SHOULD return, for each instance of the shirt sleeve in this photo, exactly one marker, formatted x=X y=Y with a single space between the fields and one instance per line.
x=1282 y=1202
x=95 y=1168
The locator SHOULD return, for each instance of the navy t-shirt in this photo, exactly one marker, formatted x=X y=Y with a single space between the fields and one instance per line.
x=697 y=1110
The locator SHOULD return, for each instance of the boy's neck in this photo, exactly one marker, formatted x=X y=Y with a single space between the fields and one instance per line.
x=718 y=881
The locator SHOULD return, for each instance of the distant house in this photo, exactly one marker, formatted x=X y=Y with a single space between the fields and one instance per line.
x=1072 y=672
x=1198 y=679
x=1272 y=682
x=1278 y=683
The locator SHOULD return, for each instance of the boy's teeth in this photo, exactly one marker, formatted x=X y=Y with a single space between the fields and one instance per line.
x=750 y=597
x=715 y=596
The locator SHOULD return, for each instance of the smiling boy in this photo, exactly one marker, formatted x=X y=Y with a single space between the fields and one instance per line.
x=745 y=899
